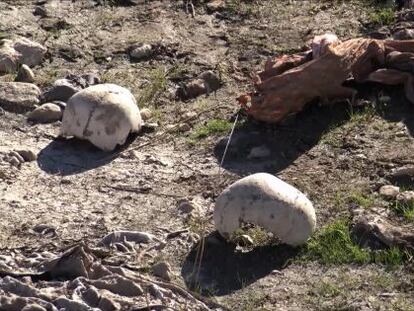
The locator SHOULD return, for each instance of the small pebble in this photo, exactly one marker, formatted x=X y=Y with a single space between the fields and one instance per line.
x=146 y=114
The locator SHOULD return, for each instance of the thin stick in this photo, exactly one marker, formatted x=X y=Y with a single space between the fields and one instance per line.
x=228 y=143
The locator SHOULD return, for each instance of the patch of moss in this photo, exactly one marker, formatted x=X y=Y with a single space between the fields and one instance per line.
x=334 y=245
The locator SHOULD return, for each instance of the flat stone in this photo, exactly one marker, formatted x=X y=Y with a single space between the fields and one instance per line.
x=65 y=88
x=389 y=191
x=46 y=113
x=18 y=96
x=30 y=53
x=61 y=92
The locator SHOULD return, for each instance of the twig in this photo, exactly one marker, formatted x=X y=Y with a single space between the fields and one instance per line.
x=174 y=234
x=189 y=4
x=153 y=307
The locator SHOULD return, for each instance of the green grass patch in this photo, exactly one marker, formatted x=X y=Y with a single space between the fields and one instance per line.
x=213 y=127
x=331 y=137
x=405 y=210
x=383 y=17
x=358 y=197
x=361 y=115
x=333 y=245
x=156 y=85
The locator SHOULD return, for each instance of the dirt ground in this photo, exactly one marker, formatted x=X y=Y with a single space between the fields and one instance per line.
x=329 y=153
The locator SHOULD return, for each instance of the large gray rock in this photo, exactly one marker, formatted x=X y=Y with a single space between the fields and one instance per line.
x=31 y=53
x=20 y=51
x=18 y=96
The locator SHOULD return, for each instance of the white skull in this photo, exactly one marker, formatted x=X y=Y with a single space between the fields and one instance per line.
x=104 y=114
x=265 y=200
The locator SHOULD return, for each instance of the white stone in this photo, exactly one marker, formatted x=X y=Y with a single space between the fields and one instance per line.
x=46 y=113
x=389 y=191
x=265 y=200
x=104 y=114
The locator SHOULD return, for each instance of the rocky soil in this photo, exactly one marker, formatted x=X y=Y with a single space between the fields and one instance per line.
x=187 y=64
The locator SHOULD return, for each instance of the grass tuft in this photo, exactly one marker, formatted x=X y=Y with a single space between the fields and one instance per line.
x=213 y=127
x=383 y=17
x=405 y=210
x=156 y=85
x=333 y=245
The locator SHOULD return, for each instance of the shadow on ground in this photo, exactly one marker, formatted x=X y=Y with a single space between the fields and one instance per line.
x=287 y=141
x=224 y=270
x=73 y=156
x=284 y=142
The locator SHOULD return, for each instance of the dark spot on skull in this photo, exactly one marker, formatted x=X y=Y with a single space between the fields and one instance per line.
x=87 y=133
x=98 y=133
x=272 y=216
x=77 y=122
x=110 y=129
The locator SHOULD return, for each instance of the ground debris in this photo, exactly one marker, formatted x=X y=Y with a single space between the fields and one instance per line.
x=289 y=82
x=91 y=284
x=375 y=231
